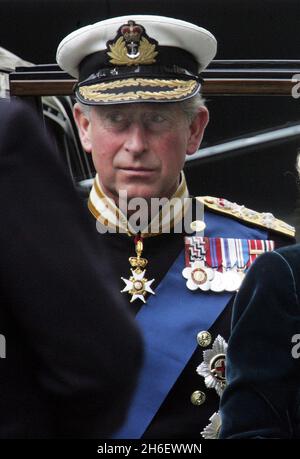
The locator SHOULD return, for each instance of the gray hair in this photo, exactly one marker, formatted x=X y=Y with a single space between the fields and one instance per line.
x=190 y=107
x=86 y=109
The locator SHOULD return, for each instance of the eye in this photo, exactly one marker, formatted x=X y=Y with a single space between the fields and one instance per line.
x=117 y=120
x=116 y=117
x=158 y=121
x=157 y=118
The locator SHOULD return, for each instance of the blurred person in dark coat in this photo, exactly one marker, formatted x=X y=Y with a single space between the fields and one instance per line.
x=263 y=371
x=67 y=344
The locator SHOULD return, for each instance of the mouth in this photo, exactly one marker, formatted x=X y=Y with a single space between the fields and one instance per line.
x=137 y=170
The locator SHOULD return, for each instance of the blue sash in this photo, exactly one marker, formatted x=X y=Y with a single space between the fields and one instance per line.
x=170 y=321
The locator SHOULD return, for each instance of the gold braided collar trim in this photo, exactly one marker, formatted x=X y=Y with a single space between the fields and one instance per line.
x=108 y=214
x=175 y=89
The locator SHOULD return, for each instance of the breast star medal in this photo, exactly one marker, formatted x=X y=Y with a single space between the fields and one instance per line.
x=213 y=366
x=137 y=285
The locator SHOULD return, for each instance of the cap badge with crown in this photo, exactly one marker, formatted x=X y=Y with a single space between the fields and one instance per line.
x=132 y=46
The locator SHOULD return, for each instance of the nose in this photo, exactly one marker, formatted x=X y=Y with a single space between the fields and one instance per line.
x=136 y=142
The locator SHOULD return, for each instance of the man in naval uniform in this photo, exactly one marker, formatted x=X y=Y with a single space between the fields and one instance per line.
x=139 y=112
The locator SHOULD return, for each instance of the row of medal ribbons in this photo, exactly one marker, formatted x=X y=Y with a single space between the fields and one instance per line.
x=219 y=264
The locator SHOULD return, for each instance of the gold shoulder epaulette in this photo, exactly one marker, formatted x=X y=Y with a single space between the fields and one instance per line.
x=261 y=219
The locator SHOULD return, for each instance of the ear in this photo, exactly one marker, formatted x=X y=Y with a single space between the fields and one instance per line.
x=197 y=128
x=84 y=127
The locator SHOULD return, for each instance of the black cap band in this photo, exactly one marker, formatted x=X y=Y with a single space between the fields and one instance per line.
x=168 y=58
x=140 y=71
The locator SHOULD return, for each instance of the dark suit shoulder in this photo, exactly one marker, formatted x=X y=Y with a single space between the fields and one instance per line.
x=268 y=286
x=18 y=113
x=291 y=255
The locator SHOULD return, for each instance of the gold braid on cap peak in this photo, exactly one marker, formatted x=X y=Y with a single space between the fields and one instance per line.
x=178 y=88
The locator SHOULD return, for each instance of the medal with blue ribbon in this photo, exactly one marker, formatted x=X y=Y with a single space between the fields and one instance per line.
x=231 y=279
